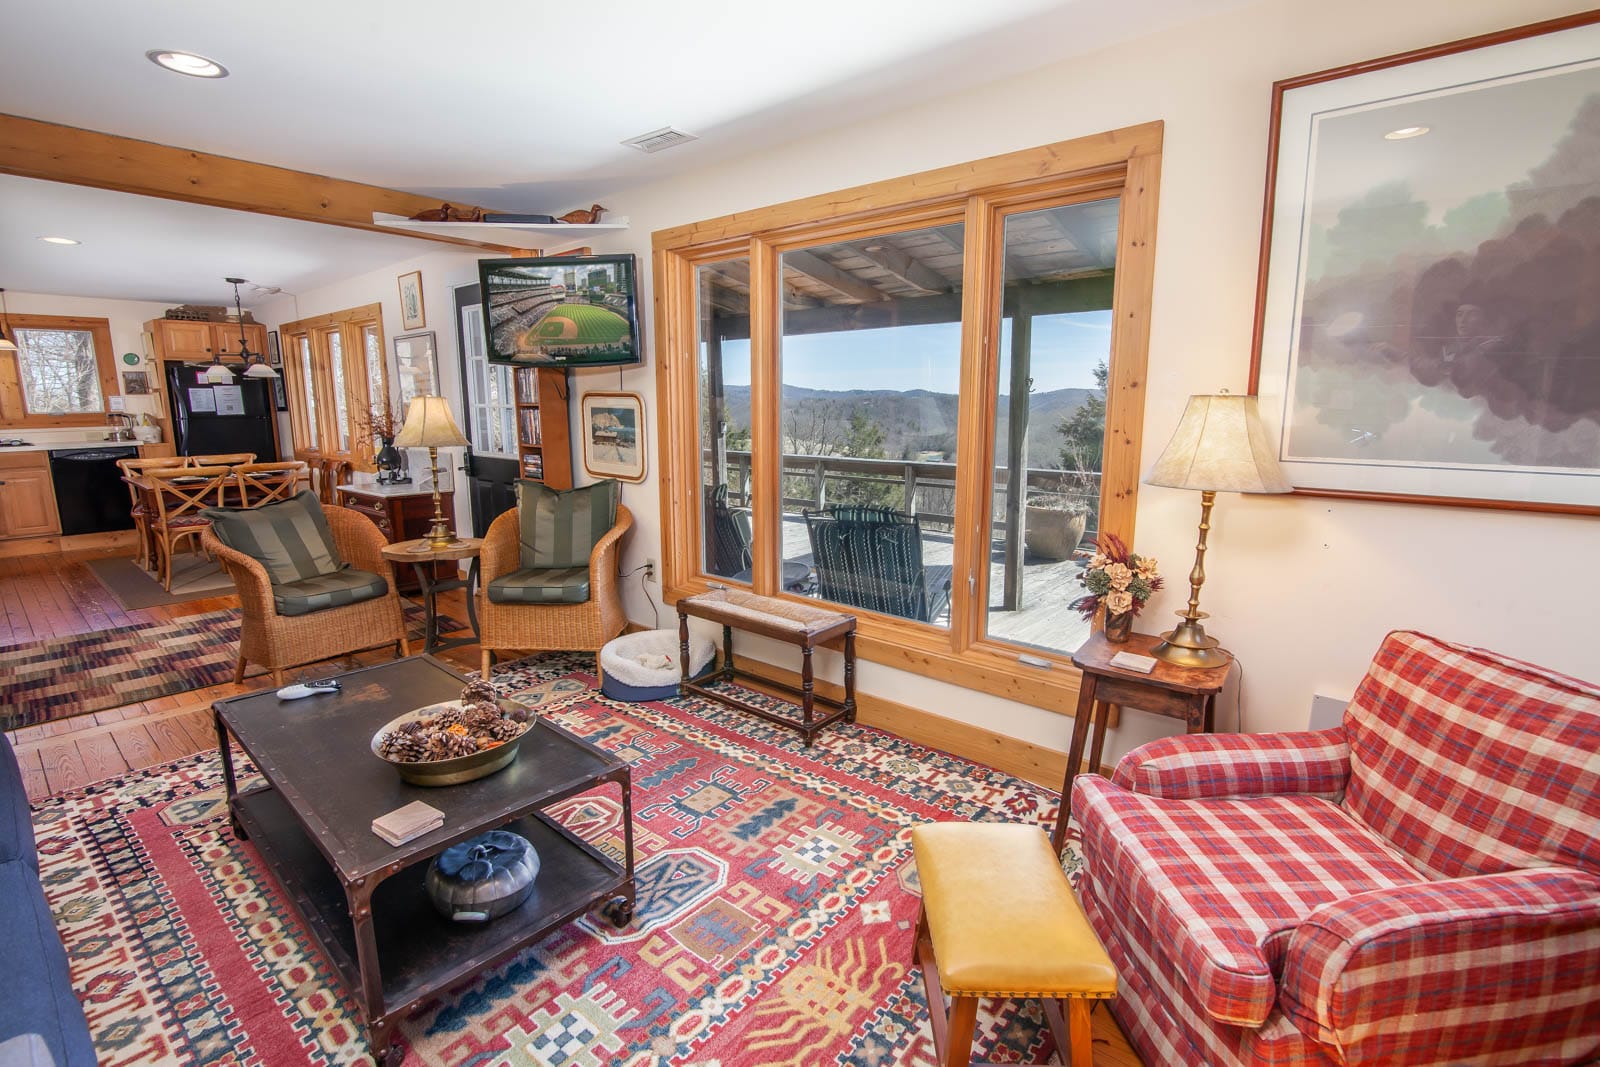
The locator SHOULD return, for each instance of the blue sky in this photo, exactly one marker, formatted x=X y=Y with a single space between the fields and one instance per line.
x=1066 y=349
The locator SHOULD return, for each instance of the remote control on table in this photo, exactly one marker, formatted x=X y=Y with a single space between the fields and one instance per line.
x=308 y=689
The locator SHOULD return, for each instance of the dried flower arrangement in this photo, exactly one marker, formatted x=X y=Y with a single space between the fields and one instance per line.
x=1120 y=578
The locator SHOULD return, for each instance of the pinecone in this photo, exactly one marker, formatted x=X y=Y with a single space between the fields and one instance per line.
x=478 y=691
x=403 y=746
x=480 y=715
x=447 y=717
x=503 y=729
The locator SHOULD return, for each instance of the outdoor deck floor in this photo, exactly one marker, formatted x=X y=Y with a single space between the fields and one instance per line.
x=1048 y=587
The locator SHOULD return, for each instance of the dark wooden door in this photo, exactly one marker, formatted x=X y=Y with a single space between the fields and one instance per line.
x=491 y=462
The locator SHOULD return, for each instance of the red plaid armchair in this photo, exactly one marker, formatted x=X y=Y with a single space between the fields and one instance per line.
x=1420 y=885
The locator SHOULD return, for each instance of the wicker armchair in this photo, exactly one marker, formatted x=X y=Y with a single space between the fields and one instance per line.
x=278 y=641
x=565 y=627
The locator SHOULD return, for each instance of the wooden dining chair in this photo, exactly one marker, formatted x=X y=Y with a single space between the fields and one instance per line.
x=224 y=459
x=330 y=474
x=180 y=494
x=263 y=483
x=140 y=499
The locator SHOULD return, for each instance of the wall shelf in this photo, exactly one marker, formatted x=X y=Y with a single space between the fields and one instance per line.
x=549 y=239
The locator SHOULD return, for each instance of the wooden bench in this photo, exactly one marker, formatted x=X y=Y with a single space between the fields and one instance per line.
x=782 y=620
x=998 y=919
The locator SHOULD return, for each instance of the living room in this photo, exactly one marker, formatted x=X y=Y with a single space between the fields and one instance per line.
x=1165 y=109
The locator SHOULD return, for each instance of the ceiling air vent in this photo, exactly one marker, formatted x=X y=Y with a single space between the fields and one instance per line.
x=656 y=140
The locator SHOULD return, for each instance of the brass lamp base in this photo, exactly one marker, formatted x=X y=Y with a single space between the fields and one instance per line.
x=439 y=534
x=1189 y=646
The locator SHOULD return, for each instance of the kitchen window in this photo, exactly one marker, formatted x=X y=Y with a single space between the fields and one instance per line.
x=61 y=373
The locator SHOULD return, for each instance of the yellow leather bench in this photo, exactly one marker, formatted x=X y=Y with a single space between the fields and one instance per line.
x=998 y=919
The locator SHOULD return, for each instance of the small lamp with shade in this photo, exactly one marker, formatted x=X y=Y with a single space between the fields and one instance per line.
x=430 y=425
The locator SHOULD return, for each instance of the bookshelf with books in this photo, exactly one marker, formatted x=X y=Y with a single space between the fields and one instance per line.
x=544 y=450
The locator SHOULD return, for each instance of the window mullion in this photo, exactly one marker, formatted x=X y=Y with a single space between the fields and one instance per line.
x=766 y=460
x=981 y=267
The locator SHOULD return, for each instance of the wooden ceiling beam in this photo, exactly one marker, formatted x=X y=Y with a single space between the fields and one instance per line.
x=822 y=272
x=903 y=266
x=50 y=152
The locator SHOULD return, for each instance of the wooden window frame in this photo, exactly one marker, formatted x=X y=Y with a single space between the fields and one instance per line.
x=351 y=325
x=1124 y=163
x=13 y=406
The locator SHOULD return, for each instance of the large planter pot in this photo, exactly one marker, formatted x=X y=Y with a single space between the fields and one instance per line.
x=1053 y=533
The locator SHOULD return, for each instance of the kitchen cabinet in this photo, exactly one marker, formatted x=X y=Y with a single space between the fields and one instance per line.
x=194 y=342
x=27 y=500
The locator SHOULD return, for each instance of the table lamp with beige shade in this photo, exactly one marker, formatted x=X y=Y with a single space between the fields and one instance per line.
x=429 y=425
x=1219 y=446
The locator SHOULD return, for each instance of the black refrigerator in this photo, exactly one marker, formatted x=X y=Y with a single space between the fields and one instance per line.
x=207 y=419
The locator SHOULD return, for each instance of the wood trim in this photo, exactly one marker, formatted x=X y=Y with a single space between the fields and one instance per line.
x=1042 y=766
x=674 y=298
x=982 y=265
x=1014 y=169
x=51 y=152
x=362 y=314
x=766 y=380
x=13 y=407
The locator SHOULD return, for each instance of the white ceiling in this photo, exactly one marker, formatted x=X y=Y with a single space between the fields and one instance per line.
x=516 y=106
x=140 y=248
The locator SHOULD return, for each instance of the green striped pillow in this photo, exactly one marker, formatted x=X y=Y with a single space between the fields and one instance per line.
x=560 y=527
x=290 y=538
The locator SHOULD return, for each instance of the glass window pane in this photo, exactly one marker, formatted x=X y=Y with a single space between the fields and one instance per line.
x=309 y=381
x=341 y=403
x=59 y=373
x=1055 y=352
x=871 y=368
x=488 y=392
x=723 y=298
x=375 y=375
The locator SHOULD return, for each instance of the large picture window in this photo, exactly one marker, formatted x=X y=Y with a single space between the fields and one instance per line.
x=921 y=409
x=61 y=373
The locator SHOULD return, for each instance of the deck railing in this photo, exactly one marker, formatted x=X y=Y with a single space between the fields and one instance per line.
x=922 y=488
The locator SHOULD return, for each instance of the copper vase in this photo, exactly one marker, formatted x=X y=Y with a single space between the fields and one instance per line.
x=1119 y=626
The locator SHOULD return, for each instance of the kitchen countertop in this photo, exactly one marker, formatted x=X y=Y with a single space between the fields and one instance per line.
x=47 y=446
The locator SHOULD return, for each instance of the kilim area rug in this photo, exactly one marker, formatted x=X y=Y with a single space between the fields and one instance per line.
x=66 y=676
x=776 y=900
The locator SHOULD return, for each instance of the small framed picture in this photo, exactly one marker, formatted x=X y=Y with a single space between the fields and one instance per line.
x=416 y=366
x=412 y=314
x=280 y=396
x=613 y=436
x=274 y=353
x=135 y=383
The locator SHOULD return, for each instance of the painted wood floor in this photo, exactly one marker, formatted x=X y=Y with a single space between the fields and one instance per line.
x=49 y=596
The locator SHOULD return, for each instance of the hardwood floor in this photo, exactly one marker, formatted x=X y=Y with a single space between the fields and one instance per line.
x=49 y=596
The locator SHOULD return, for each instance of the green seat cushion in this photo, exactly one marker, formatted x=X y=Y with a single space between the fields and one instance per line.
x=560 y=527
x=290 y=538
x=542 y=585
x=332 y=590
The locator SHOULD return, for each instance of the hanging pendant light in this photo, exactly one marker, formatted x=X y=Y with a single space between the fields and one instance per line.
x=255 y=363
x=7 y=344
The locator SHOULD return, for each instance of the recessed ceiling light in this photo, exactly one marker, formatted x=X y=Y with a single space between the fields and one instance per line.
x=196 y=66
x=1405 y=133
x=60 y=241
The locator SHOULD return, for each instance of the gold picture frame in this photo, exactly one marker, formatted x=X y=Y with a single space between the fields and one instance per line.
x=413 y=314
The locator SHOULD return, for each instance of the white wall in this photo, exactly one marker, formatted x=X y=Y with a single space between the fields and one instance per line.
x=1301 y=589
x=441 y=273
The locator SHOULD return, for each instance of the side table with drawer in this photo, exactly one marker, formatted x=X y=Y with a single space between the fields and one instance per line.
x=403 y=513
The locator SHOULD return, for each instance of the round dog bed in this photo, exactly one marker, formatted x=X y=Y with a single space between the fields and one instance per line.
x=631 y=666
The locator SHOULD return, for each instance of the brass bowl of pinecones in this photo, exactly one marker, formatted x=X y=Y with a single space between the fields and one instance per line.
x=455 y=741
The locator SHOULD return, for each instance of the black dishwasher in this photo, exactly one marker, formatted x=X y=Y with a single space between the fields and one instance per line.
x=90 y=494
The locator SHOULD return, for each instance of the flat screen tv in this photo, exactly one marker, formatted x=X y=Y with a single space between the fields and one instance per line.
x=561 y=311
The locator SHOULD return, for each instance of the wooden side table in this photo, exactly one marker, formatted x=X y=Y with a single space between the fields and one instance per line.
x=1187 y=693
x=421 y=557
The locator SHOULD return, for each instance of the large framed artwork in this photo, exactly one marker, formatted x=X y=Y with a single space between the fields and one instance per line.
x=613 y=436
x=416 y=367
x=1428 y=308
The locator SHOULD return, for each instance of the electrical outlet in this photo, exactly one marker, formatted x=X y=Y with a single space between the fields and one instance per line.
x=649 y=570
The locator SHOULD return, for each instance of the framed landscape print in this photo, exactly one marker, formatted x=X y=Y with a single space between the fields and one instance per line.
x=613 y=436
x=412 y=314
x=1428 y=309
x=416 y=367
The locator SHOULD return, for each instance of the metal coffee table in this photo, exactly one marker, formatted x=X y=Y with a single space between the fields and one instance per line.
x=363 y=899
